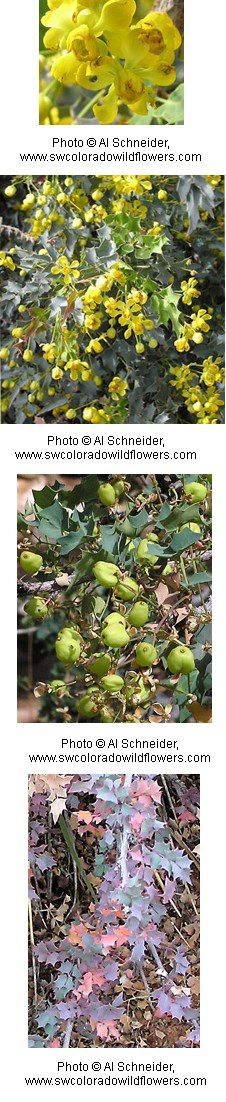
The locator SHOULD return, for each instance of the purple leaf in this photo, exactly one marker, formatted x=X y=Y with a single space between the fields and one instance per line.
x=170 y=888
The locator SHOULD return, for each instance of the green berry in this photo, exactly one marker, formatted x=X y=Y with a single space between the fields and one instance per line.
x=67 y=648
x=58 y=687
x=113 y=683
x=30 y=562
x=193 y=527
x=37 y=608
x=196 y=490
x=86 y=707
x=145 y=548
x=119 y=487
x=180 y=660
x=145 y=654
x=106 y=494
x=115 y=636
x=114 y=618
x=100 y=665
x=127 y=589
x=138 y=615
x=106 y=573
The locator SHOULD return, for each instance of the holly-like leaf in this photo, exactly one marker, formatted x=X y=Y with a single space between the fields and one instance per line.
x=165 y=305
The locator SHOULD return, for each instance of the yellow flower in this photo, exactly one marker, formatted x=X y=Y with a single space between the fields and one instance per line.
x=28 y=356
x=189 y=288
x=57 y=373
x=88 y=413
x=117 y=388
x=182 y=376
x=199 y=320
x=94 y=346
x=92 y=321
x=7 y=262
x=211 y=371
x=181 y=344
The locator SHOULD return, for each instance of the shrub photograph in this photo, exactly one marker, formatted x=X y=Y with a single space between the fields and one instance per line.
x=113 y=911
x=119 y=61
x=114 y=599
x=112 y=296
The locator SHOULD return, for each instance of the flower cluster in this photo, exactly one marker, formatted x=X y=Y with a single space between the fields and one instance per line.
x=107 y=50
x=205 y=404
x=85 y=328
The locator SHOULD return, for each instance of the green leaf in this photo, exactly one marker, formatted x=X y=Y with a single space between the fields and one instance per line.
x=182 y=514
x=87 y=491
x=139 y=521
x=158 y=549
x=109 y=538
x=83 y=567
x=68 y=543
x=182 y=540
x=51 y=521
x=199 y=579
x=165 y=304
x=44 y=497
x=172 y=111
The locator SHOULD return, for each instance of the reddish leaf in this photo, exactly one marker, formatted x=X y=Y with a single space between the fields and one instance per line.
x=84 y=816
x=87 y=985
x=137 y=820
x=106 y=1030
x=76 y=933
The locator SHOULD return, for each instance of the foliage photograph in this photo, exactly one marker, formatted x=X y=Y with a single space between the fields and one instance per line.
x=114 y=599
x=119 y=61
x=112 y=295
x=113 y=911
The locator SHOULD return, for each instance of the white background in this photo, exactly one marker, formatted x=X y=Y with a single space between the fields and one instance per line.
x=203 y=131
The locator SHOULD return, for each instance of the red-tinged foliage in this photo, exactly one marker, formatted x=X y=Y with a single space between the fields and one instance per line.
x=96 y=961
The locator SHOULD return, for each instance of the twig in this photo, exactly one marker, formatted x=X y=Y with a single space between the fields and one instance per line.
x=68 y=837
x=191 y=897
x=49 y=871
x=143 y=977
x=169 y=798
x=180 y=934
x=68 y=1033
x=157 y=958
x=32 y=952
x=39 y=904
x=74 y=903
x=14 y=229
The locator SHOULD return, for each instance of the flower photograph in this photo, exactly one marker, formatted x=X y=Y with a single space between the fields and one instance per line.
x=112 y=299
x=113 y=910
x=115 y=62
x=114 y=599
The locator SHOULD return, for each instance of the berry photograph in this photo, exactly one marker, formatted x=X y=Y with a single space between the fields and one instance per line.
x=119 y=61
x=112 y=298
x=113 y=911
x=114 y=599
